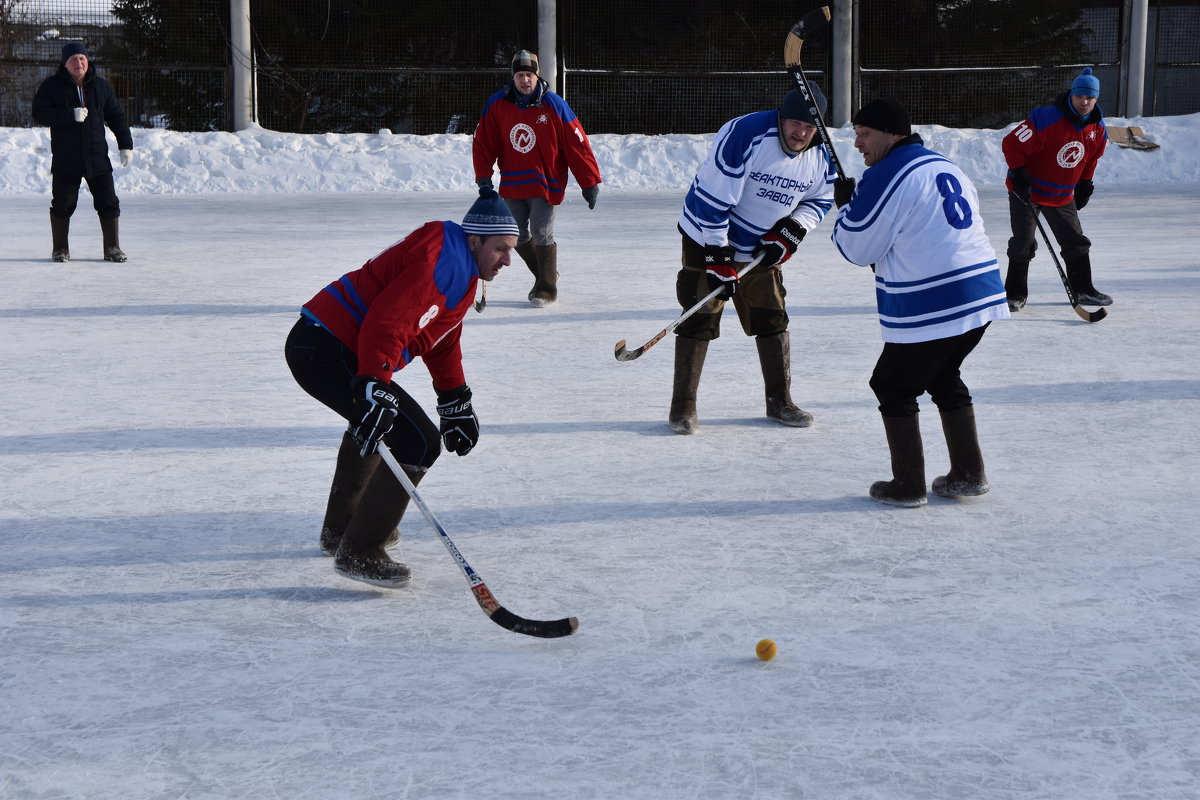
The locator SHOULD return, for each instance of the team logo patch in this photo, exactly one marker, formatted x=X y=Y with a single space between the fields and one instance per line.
x=1070 y=155
x=522 y=138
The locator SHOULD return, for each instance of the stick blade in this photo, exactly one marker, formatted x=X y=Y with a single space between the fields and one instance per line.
x=801 y=31
x=1090 y=316
x=543 y=629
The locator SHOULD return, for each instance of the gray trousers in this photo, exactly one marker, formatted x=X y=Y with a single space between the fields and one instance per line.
x=535 y=219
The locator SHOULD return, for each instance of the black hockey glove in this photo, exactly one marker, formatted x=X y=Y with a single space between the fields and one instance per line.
x=484 y=183
x=718 y=265
x=843 y=190
x=589 y=194
x=1083 y=192
x=460 y=426
x=778 y=244
x=380 y=406
x=1021 y=183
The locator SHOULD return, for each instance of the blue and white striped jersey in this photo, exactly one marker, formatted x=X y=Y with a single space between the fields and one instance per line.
x=915 y=216
x=748 y=181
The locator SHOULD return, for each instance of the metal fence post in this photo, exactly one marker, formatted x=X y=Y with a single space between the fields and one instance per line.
x=242 y=56
x=843 y=63
x=1135 y=57
x=547 y=27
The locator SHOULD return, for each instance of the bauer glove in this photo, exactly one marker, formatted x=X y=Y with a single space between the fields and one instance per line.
x=380 y=406
x=778 y=244
x=718 y=266
x=460 y=426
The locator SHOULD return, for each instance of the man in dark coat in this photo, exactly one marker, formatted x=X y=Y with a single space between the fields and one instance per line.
x=77 y=104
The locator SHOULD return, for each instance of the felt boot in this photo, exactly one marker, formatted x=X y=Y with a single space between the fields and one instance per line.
x=109 y=227
x=775 y=357
x=966 y=477
x=907 y=486
x=361 y=554
x=689 y=361
x=59 y=227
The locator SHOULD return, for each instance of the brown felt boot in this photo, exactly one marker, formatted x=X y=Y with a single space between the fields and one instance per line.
x=529 y=256
x=775 y=356
x=59 y=227
x=545 y=287
x=361 y=554
x=689 y=362
x=966 y=477
x=109 y=227
x=907 y=486
x=349 y=480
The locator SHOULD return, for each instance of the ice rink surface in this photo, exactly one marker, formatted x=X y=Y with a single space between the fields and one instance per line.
x=169 y=628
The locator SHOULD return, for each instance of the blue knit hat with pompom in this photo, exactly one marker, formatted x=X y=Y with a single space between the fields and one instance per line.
x=1086 y=84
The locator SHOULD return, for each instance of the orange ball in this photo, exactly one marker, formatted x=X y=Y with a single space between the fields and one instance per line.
x=766 y=649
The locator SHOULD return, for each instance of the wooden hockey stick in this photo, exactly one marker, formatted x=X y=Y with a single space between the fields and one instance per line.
x=802 y=30
x=1084 y=314
x=624 y=354
x=548 y=629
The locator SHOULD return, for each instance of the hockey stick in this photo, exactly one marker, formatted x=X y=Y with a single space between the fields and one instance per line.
x=482 y=301
x=801 y=31
x=1088 y=316
x=549 y=629
x=624 y=354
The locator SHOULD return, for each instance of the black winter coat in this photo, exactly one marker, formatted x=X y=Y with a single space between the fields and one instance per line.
x=80 y=148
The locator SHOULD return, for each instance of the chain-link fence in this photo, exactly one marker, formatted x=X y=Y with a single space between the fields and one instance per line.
x=625 y=66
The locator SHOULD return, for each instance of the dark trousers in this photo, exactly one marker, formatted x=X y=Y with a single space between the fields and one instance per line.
x=1063 y=222
x=906 y=371
x=324 y=367
x=65 y=198
x=760 y=300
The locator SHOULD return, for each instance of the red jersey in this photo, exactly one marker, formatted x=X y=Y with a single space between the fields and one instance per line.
x=1057 y=148
x=535 y=145
x=406 y=302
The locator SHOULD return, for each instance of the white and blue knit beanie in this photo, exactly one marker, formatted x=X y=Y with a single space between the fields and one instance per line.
x=489 y=216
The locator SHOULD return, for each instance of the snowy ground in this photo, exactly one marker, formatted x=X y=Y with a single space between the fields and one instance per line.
x=168 y=627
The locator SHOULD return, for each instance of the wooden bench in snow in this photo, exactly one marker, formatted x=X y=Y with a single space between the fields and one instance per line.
x=1132 y=137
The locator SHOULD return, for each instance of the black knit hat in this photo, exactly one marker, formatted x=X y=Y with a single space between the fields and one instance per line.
x=525 y=61
x=885 y=114
x=794 y=107
x=72 y=49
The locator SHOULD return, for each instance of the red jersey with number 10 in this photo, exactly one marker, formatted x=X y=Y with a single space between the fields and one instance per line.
x=1057 y=149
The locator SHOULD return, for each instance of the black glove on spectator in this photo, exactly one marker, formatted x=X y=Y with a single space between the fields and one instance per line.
x=590 y=193
x=380 y=406
x=1083 y=192
x=718 y=264
x=460 y=426
x=843 y=189
x=1021 y=183
x=778 y=244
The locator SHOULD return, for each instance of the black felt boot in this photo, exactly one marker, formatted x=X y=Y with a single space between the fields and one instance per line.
x=59 y=227
x=907 y=486
x=966 y=477
x=1079 y=274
